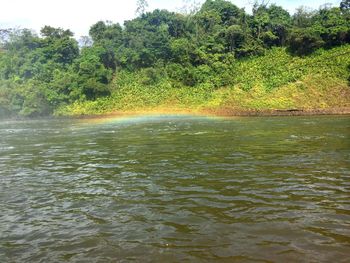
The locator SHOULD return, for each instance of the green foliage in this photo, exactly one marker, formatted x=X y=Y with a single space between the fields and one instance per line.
x=229 y=14
x=92 y=75
x=304 y=42
x=235 y=37
x=333 y=27
x=303 y=17
x=276 y=80
x=162 y=58
x=27 y=70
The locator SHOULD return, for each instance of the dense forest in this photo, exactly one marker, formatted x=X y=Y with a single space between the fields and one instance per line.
x=208 y=48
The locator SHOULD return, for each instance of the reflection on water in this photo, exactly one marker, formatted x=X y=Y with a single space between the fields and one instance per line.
x=168 y=189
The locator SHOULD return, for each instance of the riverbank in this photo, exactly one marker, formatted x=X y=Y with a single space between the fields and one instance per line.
x=327 y=98
x=220 y=113
x=284 y=112
x=275 y=84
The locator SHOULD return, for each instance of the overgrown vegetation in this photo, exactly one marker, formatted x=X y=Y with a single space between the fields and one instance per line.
x=216 y=57
x=276 y=80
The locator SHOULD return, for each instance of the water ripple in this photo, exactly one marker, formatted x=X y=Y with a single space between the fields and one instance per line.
x=173 y=189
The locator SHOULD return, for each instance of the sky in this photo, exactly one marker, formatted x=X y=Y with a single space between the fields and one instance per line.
x=79 y=15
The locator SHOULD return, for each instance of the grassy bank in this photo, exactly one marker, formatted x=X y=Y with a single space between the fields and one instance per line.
x=275 y=81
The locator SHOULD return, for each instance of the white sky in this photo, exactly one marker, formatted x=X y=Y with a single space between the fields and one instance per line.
x=79 y=15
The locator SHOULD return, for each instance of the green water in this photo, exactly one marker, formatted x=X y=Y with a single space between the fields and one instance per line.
x=176 y=189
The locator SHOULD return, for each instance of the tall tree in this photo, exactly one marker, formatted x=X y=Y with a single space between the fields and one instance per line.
x=141 y=6
x=345 y=5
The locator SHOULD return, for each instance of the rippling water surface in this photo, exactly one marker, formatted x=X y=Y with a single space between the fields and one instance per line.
x=175 y=188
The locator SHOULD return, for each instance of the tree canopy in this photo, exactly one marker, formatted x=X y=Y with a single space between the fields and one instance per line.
x=40 y=72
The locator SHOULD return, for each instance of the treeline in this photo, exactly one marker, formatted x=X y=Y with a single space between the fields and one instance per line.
x=40 y=73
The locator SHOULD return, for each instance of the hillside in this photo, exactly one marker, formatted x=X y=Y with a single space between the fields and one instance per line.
x=218 y=58
x=275 y=81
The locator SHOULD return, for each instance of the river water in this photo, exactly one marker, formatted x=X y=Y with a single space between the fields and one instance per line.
x=175 y=189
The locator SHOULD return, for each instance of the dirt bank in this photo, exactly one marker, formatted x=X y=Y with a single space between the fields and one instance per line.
x=278 y=112
x=223 y=112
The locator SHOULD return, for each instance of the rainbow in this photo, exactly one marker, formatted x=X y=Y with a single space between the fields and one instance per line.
x=140 y=117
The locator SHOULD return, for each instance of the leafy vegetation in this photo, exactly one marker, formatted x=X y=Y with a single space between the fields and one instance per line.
x=215 y=57
x=276 y=80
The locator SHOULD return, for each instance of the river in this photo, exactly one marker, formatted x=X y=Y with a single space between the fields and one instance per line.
x=174 y=189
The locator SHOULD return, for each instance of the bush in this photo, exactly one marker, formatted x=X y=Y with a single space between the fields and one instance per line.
x=304 y=42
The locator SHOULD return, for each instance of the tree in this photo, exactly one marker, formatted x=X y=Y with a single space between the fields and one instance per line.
x=261 y=20
x=345 y=5
x=303 y=42
x=235 y=37
x=108 y=36
x=38 y=73
x=52 y=32
x=259 y=4
x=85 y=41
x=92 y=76
x=208 y=21
x=279 y=24
x=190 y=7
x=302 y=18
x=332 y=26
x=58 y=45
x=141 y=6
x=146 y=40
x=4 y=36
x=228 y=12
x=97 y=31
